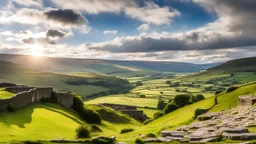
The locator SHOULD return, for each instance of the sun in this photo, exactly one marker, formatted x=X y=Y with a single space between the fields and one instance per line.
x=36 y=51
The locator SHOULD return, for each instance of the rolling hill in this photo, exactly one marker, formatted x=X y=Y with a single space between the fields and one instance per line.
x=110 y=67
x=83 y=84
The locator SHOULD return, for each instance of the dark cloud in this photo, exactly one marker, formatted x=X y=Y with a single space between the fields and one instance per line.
x=55 y=33
x=66 y=17
x=41 y=41
x=235 y=27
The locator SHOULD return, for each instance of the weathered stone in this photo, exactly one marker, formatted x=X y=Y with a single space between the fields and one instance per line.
x=239 y=136
x=174 y=138
x=235 y=130
x=183 y=128
x=163 y=139
x=213 y=139
x=148 y=140
x=172 y=133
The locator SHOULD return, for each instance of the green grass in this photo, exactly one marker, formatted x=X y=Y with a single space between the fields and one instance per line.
x=38 y=121
x=230 y=100
x=5 y=94
x=126 y=100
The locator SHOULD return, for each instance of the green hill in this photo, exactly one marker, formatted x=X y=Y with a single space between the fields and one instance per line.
x=110 y=67
x=83 y=84
x=50 y=121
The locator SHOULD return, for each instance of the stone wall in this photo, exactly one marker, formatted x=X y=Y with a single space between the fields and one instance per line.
x=18 y=89
x=25 y=98
x=4 y=84
x=137 y=114
x=35 y=95
x=65 y=99
x=247 y=100
x=119 y=107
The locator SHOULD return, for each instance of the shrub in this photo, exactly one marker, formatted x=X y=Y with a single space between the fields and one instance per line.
x=91 y=116
x=181 y=100
x=161 y=92
x=157 y=115
x=82 y=132
x=169 y=108
x=197 y=98
x=151 y=135
x=174 y=84
x=139 y=141
x=168 y=82
x=139 y=83
x=32 y=142
x=88 y=115
x=147 y=121
x=102 y=140
x=161 y=104
x=142 y=96
x=125 y=130
x=95 y=128
x=218 y=92
x=230 y=89
x=199 y=111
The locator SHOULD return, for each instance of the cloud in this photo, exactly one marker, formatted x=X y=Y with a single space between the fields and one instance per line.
x=235 y=27
x=149 y=12
x=143 y=27
x=56 y=33
x=113 y=32
x=29 y=3
x=57 y=18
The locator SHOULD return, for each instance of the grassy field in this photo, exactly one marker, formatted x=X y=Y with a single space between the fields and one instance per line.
x=5 y=94
x=78 y=83
x=49 y=121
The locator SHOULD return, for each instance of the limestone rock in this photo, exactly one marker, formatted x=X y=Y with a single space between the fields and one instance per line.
x=172 y=133
x=239 y=136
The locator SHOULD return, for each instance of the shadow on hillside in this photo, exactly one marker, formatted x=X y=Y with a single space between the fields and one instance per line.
x=24 y=115
x=18 y=118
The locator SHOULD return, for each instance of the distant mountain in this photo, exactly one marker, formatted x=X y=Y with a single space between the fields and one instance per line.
x=111 y=67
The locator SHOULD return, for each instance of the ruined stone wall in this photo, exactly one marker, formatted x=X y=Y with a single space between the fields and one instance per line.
x=25 y=98
x=4 y=84
x=18 y=89
x=136 y=114
x=245 y=101
x=119 y=107
x=65 y=99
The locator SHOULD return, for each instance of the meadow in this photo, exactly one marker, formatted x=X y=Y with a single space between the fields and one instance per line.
x=5 y=94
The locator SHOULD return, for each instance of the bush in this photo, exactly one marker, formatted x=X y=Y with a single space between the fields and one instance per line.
x=125 y=130
x=139 y=83
x=181 y=100
x=230 y=89
x=168 y=82
x=139 y=141
x=218 y=92
x=32 y=142
x=157 y=115
x=95 y=128
x=142 y=96
x=161 y=104
x=174 y=84
x=197 y=98
x=88 y=115
x=82 y=132
x=102 y=140
x=199 y=111
x=147 y=121
x=151 y=135
x=169 y=108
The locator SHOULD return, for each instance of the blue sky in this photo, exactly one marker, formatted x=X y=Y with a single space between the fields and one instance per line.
x=198 y=31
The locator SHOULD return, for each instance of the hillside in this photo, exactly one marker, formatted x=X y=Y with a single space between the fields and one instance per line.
x=110 y=67
x=83 y=84
x=50 y=121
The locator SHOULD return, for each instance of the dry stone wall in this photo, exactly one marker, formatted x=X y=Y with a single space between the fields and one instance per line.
x=18 y=89
x=33 y=96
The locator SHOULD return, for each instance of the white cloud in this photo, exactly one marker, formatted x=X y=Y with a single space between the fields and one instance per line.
x=28 y=3
x=113 y=32
x=143 y=27
x=149 y=12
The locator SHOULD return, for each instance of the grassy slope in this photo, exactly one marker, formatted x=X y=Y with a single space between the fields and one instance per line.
x=49 y=121
x=20 y=75
x=5 y=94
x=229 y=100
x=38 y=122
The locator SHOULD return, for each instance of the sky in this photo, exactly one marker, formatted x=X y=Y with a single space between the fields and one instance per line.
x=196 y=31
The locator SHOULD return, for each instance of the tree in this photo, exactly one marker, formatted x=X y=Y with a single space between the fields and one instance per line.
x=169 y=108
x=158 y=115
x=181 y=100
x=197 y=98
x=168 y=82
x=139 y=83
x=161 y=104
